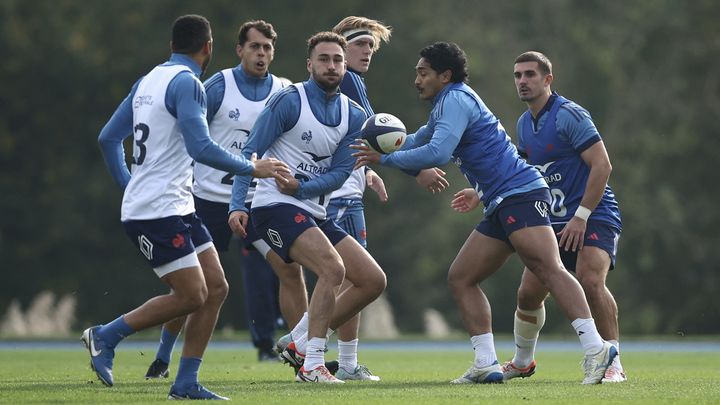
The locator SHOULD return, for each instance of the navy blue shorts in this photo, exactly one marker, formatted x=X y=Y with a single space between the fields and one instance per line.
x=279 y=225
x=517 y=212
x=164 y=240
x=215 y=217
x=597 y=234
x=350 y=216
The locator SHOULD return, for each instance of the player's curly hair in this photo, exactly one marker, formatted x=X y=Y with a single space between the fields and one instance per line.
x=377 y=29
x=444 y=56
x=325 y=36
x=190 y=33
x=265 y=28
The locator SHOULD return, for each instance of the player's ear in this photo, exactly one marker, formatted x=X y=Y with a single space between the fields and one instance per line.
x=446 y=76
x=238 y=50
x=549 y=79
x=309 y=68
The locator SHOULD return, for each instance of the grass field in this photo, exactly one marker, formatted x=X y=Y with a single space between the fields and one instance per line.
x=408 y=377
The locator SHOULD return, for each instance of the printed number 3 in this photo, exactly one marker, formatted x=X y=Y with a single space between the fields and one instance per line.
x=140 y=143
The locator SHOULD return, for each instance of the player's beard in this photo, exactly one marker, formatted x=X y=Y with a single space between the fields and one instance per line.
x=205 y=63
x=324 y=83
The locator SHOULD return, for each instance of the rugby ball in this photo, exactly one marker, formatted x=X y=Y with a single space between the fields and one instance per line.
x=383 y=133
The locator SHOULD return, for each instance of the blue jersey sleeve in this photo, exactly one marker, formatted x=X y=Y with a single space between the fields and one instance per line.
x=341 y=165
x=186 y=100
x=354 y=87
x=576 y=127
x=279 y=115
x=215 y=90
x=432 y=148
x=111 y=137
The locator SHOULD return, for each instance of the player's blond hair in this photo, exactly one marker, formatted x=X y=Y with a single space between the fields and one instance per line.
x=378 y=30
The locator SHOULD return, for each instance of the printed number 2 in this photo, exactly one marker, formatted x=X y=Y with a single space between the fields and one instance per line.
x=140 y=143
x=302 y=177
x=557 y=207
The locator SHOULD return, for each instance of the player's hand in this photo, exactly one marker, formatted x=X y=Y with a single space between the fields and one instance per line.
x=364 y=154
x=376 y=184
x=432 y=179
x=287 y=184
x=238 y=222
x=269 y=167
x=465 y=200
x=572 y=235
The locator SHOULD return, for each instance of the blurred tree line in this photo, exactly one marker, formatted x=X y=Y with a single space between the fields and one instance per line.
x=645 y=70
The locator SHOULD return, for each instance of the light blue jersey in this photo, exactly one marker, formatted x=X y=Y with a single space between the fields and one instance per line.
x=463 y=129
x=553 y=143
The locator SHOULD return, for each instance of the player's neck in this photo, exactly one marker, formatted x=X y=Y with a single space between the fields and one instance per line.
x=536 y=105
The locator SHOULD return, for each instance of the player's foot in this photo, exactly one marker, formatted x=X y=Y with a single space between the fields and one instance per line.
x=193 y=391
x=158 y=369
x=292 y=356
x=318 y=375
x=267 y=355
x=595 y=365
x=614 y=373
x=283 y=343
x=101 y=356
x=510 y=371
x=361 y=373
x=491 y=374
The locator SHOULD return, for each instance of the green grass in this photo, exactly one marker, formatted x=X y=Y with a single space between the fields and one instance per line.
x=47 y=376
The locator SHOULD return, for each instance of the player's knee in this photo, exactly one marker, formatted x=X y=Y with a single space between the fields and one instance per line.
x=378 y=283
x=193 y=299
x=591 y=283
x=218 y=291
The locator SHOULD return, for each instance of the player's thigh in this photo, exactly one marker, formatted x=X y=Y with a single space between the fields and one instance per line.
x=313 y=250
x=212 y=268
x=593 y=264
x=360 y=267
x=478 y=258
x=537 y=248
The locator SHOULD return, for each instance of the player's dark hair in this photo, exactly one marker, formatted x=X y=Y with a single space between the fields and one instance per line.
x=444 y=56
x=190 y=33
x=325 y=36
x=535 y=56
x=265 y=28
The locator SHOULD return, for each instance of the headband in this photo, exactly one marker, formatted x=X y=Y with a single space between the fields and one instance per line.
x=357 y=34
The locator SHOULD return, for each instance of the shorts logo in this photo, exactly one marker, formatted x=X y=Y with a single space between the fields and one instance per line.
x=146 y=247
x=363 y=234
x=510 y=220
x=274 y=237
x=178 y=241
x=593 y=236
x=542 y=208
x=300 y=218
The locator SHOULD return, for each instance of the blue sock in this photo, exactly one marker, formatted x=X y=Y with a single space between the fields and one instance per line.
x=167 y=343
x=187 y=373
x=115 y=331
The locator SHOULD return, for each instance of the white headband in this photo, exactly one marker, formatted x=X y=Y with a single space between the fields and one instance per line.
x=357 y=34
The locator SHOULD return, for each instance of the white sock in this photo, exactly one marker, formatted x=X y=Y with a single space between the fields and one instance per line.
x=526 y=336
x=590 y=339
x=315 y=354
x=299 y=334
x=347 y=354
x=484 y=348
x=301 y=328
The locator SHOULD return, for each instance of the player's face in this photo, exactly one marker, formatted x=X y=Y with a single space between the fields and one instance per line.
x=359 y=54
x=256 y=54
x=428 y=82
x=530 y=82
x=327 y=65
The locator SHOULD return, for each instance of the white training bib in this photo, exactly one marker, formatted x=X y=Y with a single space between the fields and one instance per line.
x=307 y=148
